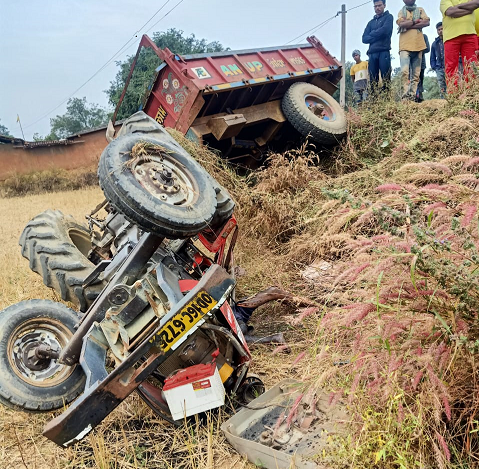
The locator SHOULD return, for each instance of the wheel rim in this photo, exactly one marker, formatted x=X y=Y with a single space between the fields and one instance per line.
x=167 y=180
x=81 y=240
x=251 y=388
x=319 y=107
x=21 y=347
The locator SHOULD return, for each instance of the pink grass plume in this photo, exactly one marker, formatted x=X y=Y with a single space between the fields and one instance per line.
x=305 y=312
x=443 y=444
x=417 y=379
x=447 y=407
x=298 y=358
x=469 y=212
x=388 y=187
x=293 y=411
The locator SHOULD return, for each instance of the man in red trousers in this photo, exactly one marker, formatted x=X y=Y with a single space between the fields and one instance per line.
x=460 y=38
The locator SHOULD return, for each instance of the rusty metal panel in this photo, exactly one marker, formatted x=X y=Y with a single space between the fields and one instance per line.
x=234 y=68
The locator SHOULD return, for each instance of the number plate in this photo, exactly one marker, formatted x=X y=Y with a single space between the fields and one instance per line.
x=183 y=321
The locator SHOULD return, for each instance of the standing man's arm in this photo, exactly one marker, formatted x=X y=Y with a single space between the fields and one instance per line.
x=385 y=31
x=367 y=38
x=422 y=22
x=433 y=56
x=428 y=47
x=457 y=11
x=469 y=6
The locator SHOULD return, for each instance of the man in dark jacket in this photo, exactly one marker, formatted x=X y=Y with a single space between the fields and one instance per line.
x=378 y=34
x=437 y=60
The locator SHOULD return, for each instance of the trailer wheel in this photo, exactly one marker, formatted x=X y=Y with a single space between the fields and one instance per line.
x=57 y=248
x=30 y=382
x=313 y=112
x=164 y=192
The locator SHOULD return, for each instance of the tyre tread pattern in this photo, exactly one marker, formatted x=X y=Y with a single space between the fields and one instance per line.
x=51 y=254
x=305 y=122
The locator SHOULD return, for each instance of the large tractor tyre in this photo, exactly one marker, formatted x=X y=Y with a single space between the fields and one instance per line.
x=57 y=246
x=313 y=112
x=162 y=189
x=30 y=382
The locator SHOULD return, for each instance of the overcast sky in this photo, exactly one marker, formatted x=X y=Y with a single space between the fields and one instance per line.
x=52 y=47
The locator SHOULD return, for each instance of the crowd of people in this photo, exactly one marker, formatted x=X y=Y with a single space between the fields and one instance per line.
x=453 y=52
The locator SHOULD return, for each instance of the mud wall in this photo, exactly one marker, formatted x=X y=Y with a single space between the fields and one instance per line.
x=84 y=153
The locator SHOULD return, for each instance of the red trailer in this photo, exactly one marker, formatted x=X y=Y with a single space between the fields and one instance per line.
x=242 y=102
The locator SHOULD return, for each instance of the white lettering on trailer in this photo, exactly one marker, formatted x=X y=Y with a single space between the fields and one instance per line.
x=201 y=72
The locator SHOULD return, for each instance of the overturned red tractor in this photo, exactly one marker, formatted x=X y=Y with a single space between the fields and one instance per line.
x=153 y=279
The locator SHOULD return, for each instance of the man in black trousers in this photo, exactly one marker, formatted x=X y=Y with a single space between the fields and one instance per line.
x=378 y=34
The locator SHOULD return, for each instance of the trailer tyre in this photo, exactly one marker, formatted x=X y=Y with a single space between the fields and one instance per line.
x=57 y=246
x=164 y=192
x=313 y=112
x=28 y=382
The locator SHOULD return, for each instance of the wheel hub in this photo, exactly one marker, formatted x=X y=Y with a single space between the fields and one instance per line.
x=319 y=107
x=32 y=350
x=165 y=179
x=33 y=358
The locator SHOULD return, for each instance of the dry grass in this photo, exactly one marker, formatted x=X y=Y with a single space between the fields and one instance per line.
x=48 y=181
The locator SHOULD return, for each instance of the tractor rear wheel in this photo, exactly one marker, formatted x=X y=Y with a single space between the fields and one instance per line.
x=57 y=248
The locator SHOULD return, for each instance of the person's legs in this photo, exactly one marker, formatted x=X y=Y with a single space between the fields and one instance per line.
x=420 y=87
x=441 y=81
x=415 y=59
x=452 y=50
x=469 y=47
x=358 y=96
x=404 y=60
x=468 y=52
x=385 y=68
x=373 y=67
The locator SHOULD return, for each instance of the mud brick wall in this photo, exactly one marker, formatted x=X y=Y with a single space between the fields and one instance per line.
x=85 y=153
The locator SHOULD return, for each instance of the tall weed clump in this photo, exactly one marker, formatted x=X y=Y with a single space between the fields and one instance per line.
x=385 y=243
x=401 y=302
x=51 y=180
x=394 y=133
